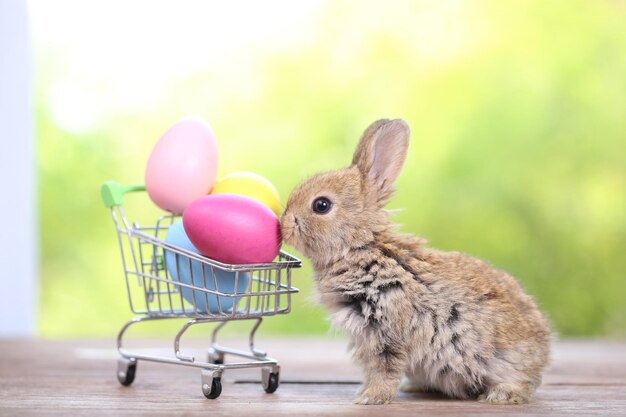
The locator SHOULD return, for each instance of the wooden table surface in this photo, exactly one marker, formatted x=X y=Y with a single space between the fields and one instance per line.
x=78 y=378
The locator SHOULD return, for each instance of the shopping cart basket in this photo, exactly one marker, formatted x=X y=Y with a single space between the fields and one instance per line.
x=156 y=291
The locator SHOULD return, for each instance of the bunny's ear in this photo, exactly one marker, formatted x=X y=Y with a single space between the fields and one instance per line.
x=381 y=154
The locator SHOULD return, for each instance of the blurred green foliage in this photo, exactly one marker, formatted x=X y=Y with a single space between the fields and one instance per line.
x=518 y=151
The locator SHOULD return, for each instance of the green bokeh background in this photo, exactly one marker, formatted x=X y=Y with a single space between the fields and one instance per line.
x=518 y=152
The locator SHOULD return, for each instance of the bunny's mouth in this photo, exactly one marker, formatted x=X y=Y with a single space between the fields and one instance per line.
x=287 y=234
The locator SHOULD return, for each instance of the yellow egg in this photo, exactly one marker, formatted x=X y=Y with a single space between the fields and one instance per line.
x=251 y=185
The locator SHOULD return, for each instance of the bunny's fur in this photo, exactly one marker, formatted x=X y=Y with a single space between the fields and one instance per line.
x=442 y=320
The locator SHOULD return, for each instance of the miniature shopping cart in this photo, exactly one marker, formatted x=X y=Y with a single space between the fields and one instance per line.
x=156 y=291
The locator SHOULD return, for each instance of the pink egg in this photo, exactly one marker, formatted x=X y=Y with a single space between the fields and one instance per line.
x=182 y=166
x=233 y=229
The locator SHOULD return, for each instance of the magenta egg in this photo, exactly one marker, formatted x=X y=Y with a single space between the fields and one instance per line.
x=233 y=229
x=182 y=166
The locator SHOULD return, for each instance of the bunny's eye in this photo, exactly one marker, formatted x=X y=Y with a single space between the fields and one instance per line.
x=321 y=205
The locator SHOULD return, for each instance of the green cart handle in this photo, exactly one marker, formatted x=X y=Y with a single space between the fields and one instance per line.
x=113 y=192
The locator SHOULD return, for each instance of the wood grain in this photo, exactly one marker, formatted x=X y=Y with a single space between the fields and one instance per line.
x=78 y=378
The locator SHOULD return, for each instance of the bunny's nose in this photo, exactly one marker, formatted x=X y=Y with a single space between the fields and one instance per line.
x=287 y=219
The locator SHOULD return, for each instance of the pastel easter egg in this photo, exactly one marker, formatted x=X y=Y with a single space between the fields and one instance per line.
x=251 y=185
x=178 y=267
x=182 y=166
x=233 y=229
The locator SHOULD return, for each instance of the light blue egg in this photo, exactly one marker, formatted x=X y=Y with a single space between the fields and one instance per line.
x=225 y=280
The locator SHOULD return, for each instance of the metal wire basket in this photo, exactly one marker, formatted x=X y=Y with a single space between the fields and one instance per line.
x=165 y=281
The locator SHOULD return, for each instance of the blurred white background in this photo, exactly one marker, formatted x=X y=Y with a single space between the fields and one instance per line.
x=18 y=245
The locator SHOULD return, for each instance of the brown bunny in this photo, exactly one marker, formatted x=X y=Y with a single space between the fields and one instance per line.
x=443 y=320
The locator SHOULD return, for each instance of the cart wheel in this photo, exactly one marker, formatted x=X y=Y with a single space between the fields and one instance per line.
x=272 y=383
x=126 y=371
x=215 y=391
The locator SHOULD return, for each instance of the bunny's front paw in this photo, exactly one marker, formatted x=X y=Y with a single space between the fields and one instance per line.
x=375 y=396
